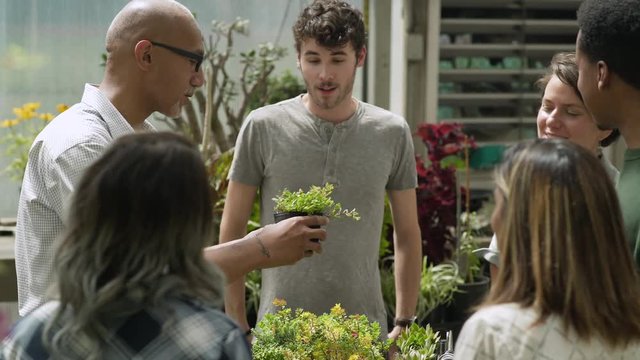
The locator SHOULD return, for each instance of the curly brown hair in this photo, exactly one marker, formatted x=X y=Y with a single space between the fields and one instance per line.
x=332 y=23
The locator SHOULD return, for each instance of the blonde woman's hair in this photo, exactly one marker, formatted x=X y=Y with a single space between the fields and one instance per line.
x=563 y=249
x=139 y=220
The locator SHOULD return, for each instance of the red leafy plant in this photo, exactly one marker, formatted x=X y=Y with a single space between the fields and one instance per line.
x=447 y=147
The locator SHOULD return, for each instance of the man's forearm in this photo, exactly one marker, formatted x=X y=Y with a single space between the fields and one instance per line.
x=238 y=257
x=407 y=276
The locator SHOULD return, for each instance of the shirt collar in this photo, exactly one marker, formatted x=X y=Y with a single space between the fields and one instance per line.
x=117 y=125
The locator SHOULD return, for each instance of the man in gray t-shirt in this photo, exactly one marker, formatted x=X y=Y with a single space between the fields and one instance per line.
x=325 y=136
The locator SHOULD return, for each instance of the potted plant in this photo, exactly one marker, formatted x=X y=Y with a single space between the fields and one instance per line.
x=299 y=334
x=438 y=285
x=474 y=285
x=316 y=201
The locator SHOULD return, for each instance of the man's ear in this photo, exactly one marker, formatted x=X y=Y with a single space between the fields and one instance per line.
x=361 y=56
x=604 y=75
x=142 y=54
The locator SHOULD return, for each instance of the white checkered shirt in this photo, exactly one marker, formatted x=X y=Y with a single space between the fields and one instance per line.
x=57 y=159
x=505 y=331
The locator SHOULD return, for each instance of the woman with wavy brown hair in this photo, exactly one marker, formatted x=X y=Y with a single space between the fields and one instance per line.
x=567 y=287
x=132 y=281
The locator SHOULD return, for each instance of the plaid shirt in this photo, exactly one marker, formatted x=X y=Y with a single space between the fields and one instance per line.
x=188 y=330
x=57 y=159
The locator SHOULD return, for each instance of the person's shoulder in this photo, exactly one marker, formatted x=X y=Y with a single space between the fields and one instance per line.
x=29 y=328
x=79 y=128
x=78 y=125
x=494 y=319
x=189 y=310
x=377 y=115
x=273 y=112
x=208 y=329
x=499 y=314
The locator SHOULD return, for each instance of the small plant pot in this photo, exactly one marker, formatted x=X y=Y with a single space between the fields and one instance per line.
x=279 y=216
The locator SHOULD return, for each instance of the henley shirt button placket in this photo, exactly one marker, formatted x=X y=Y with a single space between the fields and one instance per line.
x=332 y=150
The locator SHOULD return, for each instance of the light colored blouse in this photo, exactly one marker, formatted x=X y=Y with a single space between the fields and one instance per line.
x=506 y=331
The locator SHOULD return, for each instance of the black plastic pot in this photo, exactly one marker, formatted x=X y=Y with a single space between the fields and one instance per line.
x=279 y=216
x=452 y=316
x=469 y=295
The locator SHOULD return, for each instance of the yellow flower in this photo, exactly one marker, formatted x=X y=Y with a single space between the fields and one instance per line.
x=337 y=310
x=9 y=123
x=61 y=107
x=46 y=116
x=19 y=112
x=26 y=112
x=354 y=357
x=31 y=107
x=279 y=302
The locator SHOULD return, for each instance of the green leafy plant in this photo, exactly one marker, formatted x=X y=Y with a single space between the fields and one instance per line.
x=299 y=334
x=386 y=235
x=22 y=131
x=285 y=86
x=315 y=201
x=253 y=284
x=438 y=283
x=418 y=343
x=468 y=261
x=388 y=286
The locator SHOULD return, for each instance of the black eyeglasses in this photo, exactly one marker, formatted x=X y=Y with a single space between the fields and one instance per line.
x=198 y=58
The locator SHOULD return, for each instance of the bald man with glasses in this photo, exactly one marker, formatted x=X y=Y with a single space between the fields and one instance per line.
x=154 y=56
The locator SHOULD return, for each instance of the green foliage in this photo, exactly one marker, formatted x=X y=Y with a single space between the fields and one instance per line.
x=388 y=287
x=452 y=161
x=300 y=334
x=418 y=343
x=387 y=231
x=283 y=87
x=315 y=201
x=438 y=283
x=468 y=261
x=253 y=282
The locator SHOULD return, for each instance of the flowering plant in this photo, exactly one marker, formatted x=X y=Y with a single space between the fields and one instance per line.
x=300 y=334
x=447 y=145
x=23 y=129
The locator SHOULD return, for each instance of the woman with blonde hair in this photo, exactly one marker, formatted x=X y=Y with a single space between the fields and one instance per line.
x=567 y=287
